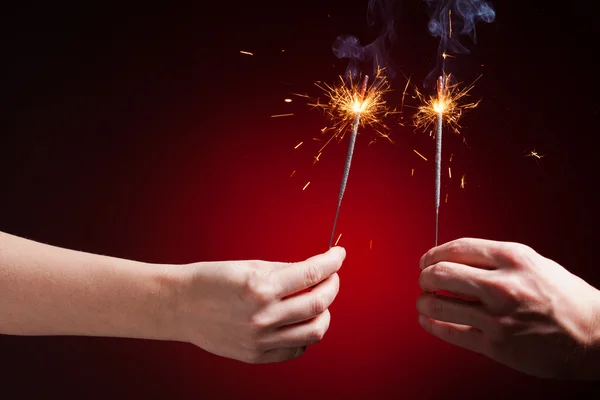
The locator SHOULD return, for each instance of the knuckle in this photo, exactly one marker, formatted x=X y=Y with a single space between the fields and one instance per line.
x=316 y=335
x=456 y=246
x=320 y=329
x=318 y=305
x=313 y=274
x=440 y=271
x=260 y=321
x=499 y=330
x=506 y=292
x=259 y=289
x=518 y=255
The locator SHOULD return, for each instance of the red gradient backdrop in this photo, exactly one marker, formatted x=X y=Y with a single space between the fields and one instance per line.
x=143 y=133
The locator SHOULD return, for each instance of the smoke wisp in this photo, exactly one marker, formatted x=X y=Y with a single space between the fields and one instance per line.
x=452 y=19
x=376 y=52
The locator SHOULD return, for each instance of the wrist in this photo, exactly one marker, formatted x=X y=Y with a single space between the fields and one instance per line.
x=165 y=289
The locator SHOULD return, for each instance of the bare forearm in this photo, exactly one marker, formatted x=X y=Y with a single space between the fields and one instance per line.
x=47 y=290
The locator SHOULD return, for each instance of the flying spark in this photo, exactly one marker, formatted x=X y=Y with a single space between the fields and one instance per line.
x=246 y=53
x=317 y=158
x=298 y=145
x=462 y=182
x=420 y=155
x=281 y=115
x=450 y=172
x=404 y=94
x=535 y=154
x=288 y=100
x=338 y=240
x=305 y=186
x=293 y=172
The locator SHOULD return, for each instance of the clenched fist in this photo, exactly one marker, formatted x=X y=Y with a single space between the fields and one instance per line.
x=252 y=311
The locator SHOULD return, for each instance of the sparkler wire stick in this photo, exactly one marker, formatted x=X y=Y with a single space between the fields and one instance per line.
x=438 y=173
x=353 y=134
x=438 y=155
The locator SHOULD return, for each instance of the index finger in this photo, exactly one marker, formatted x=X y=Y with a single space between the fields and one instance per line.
x=295 y=277
x=479 y=253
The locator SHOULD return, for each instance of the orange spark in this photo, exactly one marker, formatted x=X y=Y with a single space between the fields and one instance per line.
x=371 y=245
x=281 y=115
x=293 y=172
x=338 y=239
x=298 y=145
x=305 y=186
x=246 y=53
x=288 y=100
x=535 y=154
x=317 y=158
x=420 y=155
x=462 y=182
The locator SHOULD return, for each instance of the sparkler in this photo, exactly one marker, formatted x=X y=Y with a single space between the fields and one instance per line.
x=357 y=108
x=351 y=106
x=447 y=108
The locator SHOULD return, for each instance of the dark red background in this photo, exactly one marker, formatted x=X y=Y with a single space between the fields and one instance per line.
x=142 y=132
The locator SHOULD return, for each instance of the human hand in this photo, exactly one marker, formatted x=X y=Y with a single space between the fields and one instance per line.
x=245 y=309
x=531 y=315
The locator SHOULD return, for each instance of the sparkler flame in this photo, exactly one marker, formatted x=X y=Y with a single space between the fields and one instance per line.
x=448 y=102
x=348 y=99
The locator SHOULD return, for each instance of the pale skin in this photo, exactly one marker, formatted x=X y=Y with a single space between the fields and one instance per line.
x=524 y=310
x=530 y=313
x=249 y=311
